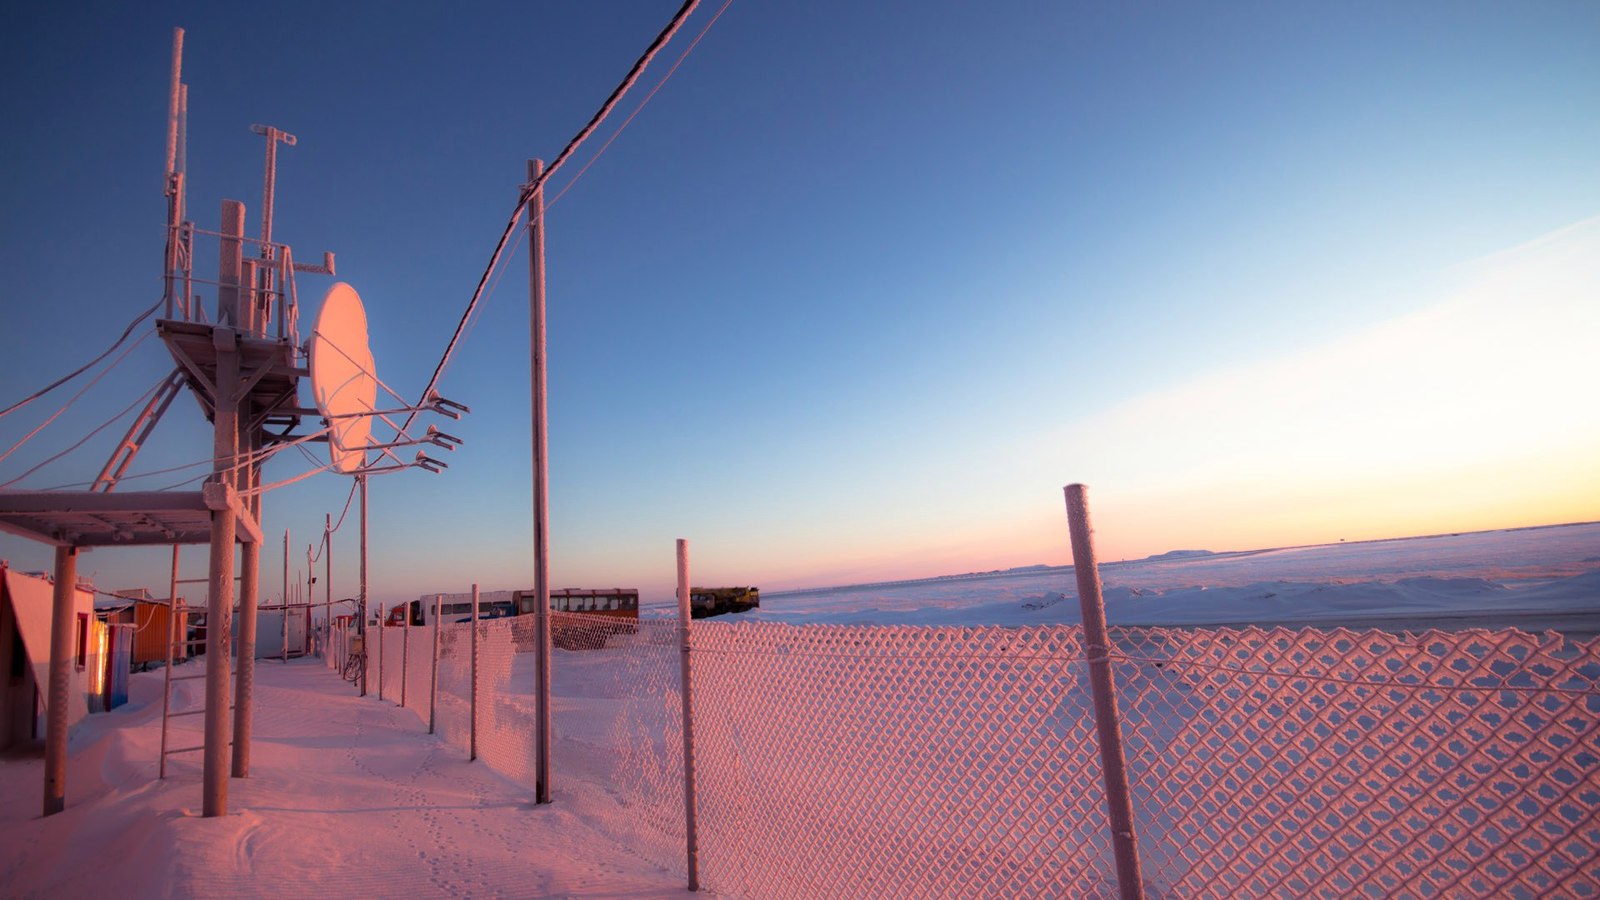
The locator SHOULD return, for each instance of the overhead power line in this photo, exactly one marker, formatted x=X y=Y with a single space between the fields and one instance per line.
x=642 y=104
x=530 y=189
x=97 y=429
x=233 y=462
x=85 y=367
x=353 y=485
x=81 y=391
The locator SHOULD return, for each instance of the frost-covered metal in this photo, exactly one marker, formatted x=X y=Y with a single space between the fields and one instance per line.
x=915 y=761
x=1337 y=763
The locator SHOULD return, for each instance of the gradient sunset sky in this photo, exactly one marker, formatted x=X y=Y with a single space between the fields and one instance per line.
x=864 y=284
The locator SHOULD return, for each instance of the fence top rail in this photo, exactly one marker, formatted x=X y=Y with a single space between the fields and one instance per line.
x=1480 y=660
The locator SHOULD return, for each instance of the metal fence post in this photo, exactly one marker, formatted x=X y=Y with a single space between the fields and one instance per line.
x=379 y=629
x=1119 y=803
x=405 y=651
x=361 y=616
x=691 y=838
x=472 y=706
x=433 y=674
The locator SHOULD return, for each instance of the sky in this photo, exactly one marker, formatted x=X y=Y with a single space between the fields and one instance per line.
x=862 y=287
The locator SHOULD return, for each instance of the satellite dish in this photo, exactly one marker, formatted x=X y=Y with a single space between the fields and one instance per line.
x=344 y=380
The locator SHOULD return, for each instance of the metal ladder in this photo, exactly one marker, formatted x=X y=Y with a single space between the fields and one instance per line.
x=175 y=611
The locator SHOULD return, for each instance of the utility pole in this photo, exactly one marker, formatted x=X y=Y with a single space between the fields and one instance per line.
x=285 y=607
x=311 y=581
x=285 y=610
x=361 y=480
x=541 y=478
x=327 y=584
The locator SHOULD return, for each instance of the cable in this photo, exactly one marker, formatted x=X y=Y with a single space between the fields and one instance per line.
x=186 y=481
x=353 y=485
x=522 y=232
x=233 y=462
x=81 y=391
x=285 y=482
x=79 y=371
x=640 y=108
x=99 y=428
x=529 y=190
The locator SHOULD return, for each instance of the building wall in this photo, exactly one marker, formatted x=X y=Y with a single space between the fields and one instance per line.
x=28 y=600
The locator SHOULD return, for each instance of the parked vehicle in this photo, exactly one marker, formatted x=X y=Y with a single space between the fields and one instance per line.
x=596 y=615
x=616 y=608
x=454 y=608
x=707 y=602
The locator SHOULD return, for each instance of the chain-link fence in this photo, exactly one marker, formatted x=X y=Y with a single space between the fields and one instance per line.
x=453 y=701
x=392 y=663
x=911 y=760
x=506 y=698
x=1270 y=763
x=896 y=762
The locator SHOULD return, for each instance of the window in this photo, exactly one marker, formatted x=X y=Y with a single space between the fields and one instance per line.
x=83 y=641
x=18 y=655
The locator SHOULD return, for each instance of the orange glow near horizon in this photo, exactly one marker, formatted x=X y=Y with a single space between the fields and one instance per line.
x=1474 y=413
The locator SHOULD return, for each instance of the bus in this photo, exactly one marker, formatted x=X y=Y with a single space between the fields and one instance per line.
x=453 y=608
x=616 y=609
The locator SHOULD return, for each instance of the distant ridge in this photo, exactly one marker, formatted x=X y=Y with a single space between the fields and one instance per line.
x=937 y=579
x=1170 y=555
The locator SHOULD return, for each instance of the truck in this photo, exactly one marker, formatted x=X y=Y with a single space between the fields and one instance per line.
x=705 y=602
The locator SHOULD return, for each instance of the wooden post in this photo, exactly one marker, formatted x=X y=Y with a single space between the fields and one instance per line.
x=541 y=478
x=405 y=650
x=1097 y=645
x=691 y=838
x=62 y=623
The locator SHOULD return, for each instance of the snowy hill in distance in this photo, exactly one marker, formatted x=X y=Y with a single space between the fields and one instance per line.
x=1531 y=578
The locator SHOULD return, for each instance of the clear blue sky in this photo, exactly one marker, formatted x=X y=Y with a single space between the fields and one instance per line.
x=864 y=284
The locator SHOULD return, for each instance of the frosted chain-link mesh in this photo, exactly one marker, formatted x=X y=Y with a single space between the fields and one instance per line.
x=419 y=672
x=906 y=761
x=506 y=702
x=1271 y=763
x=616 y=712
x=393 y=671
x=452 y=718
x=338 y=646
x=896 y=762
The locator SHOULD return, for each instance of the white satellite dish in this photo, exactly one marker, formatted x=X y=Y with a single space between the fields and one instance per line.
x=344 y=380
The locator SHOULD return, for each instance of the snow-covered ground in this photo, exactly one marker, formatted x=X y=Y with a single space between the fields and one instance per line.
x=1534 y=579
x=351 y=795
x=347 y=797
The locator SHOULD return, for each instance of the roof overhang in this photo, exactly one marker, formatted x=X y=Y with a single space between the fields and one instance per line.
x=98 y=519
